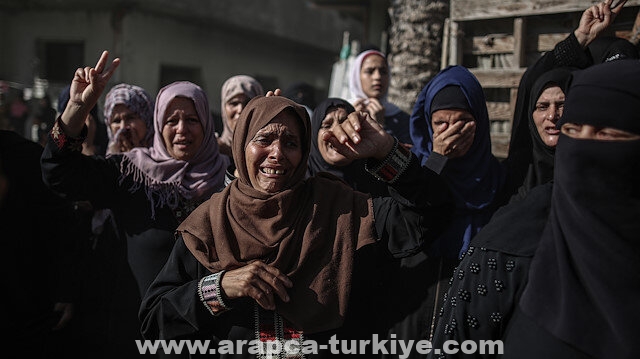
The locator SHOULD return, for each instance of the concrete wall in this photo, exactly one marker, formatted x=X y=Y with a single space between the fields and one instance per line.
x=285 y=44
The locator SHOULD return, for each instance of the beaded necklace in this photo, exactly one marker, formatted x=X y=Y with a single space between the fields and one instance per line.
x=278 y=339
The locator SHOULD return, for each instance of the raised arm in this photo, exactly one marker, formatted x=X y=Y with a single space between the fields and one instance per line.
x=87 y=86
x=360 y=137
x=595 y=20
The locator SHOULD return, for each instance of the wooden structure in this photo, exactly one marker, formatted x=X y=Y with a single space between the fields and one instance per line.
x=498 y=39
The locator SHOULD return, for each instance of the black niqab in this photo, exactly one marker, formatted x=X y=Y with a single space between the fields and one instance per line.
x=584 y=282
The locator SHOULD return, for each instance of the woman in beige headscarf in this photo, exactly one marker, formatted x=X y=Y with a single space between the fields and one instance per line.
x=235 y=94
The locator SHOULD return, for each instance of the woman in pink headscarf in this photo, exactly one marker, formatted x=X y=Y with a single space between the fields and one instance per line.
x=149 y=189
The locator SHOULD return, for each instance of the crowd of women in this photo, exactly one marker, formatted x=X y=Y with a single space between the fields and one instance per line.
x=354 y=218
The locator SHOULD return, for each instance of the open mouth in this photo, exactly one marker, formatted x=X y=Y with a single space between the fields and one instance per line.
x=272 y=171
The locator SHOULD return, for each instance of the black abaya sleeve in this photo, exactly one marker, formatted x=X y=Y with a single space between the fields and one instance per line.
x=417 y=210
x=173 y=297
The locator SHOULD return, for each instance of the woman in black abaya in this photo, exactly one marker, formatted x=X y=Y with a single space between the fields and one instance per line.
x=584 y=279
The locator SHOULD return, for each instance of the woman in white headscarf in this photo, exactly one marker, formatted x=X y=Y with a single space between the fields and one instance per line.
x=369 y=80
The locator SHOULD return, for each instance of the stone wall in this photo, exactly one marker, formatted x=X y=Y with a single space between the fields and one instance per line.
x=415 y=45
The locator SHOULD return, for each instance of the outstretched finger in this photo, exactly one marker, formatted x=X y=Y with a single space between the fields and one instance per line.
x=114 y=65
x=617 y=6
x=337 y=132
x=102 y=61
x=469 y=128
x=344 y=149
x=351 y=130
x=453 y=131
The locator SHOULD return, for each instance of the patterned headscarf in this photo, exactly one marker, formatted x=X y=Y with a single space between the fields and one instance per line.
x=137 y=100
x=240 y=84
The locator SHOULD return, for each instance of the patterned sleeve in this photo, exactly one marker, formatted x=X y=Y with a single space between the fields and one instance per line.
x=568 y=52
x=482 y=294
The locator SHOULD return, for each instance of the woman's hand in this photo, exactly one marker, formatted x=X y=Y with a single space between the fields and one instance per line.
x=595 y=20
x=276 y=92
x=122 y=141
x=372 y=106
x=257 y=280
x=359 y=136
x=87 y=86
x=455 y=140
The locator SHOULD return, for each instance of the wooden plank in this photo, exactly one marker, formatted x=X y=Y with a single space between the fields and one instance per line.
x=455 y=45
x=444 y=59
x=519 y=31
x=489 y=44
x=492 y=44
x=546 y=42
x=513 y=97
x=498 y=78
x=499 y=111
x=466 y=10
x=500 y=145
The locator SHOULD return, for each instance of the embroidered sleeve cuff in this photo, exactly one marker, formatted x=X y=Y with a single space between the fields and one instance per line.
x=64 y=142
x=210 y=294
x=392 y=167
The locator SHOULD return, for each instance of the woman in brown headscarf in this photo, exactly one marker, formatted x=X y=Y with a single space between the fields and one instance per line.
x=272 y=256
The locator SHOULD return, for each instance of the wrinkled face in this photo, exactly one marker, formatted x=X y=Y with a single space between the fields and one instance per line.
x=328 y=152
x=274 y=153
x=547 y=112
x=374 y=76
x=182 y=131
x=443 y=119
x=233 y=107
x=589 y=132
x=134 y=128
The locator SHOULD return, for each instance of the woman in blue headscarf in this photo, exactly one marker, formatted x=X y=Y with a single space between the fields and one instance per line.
x=450 y=134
